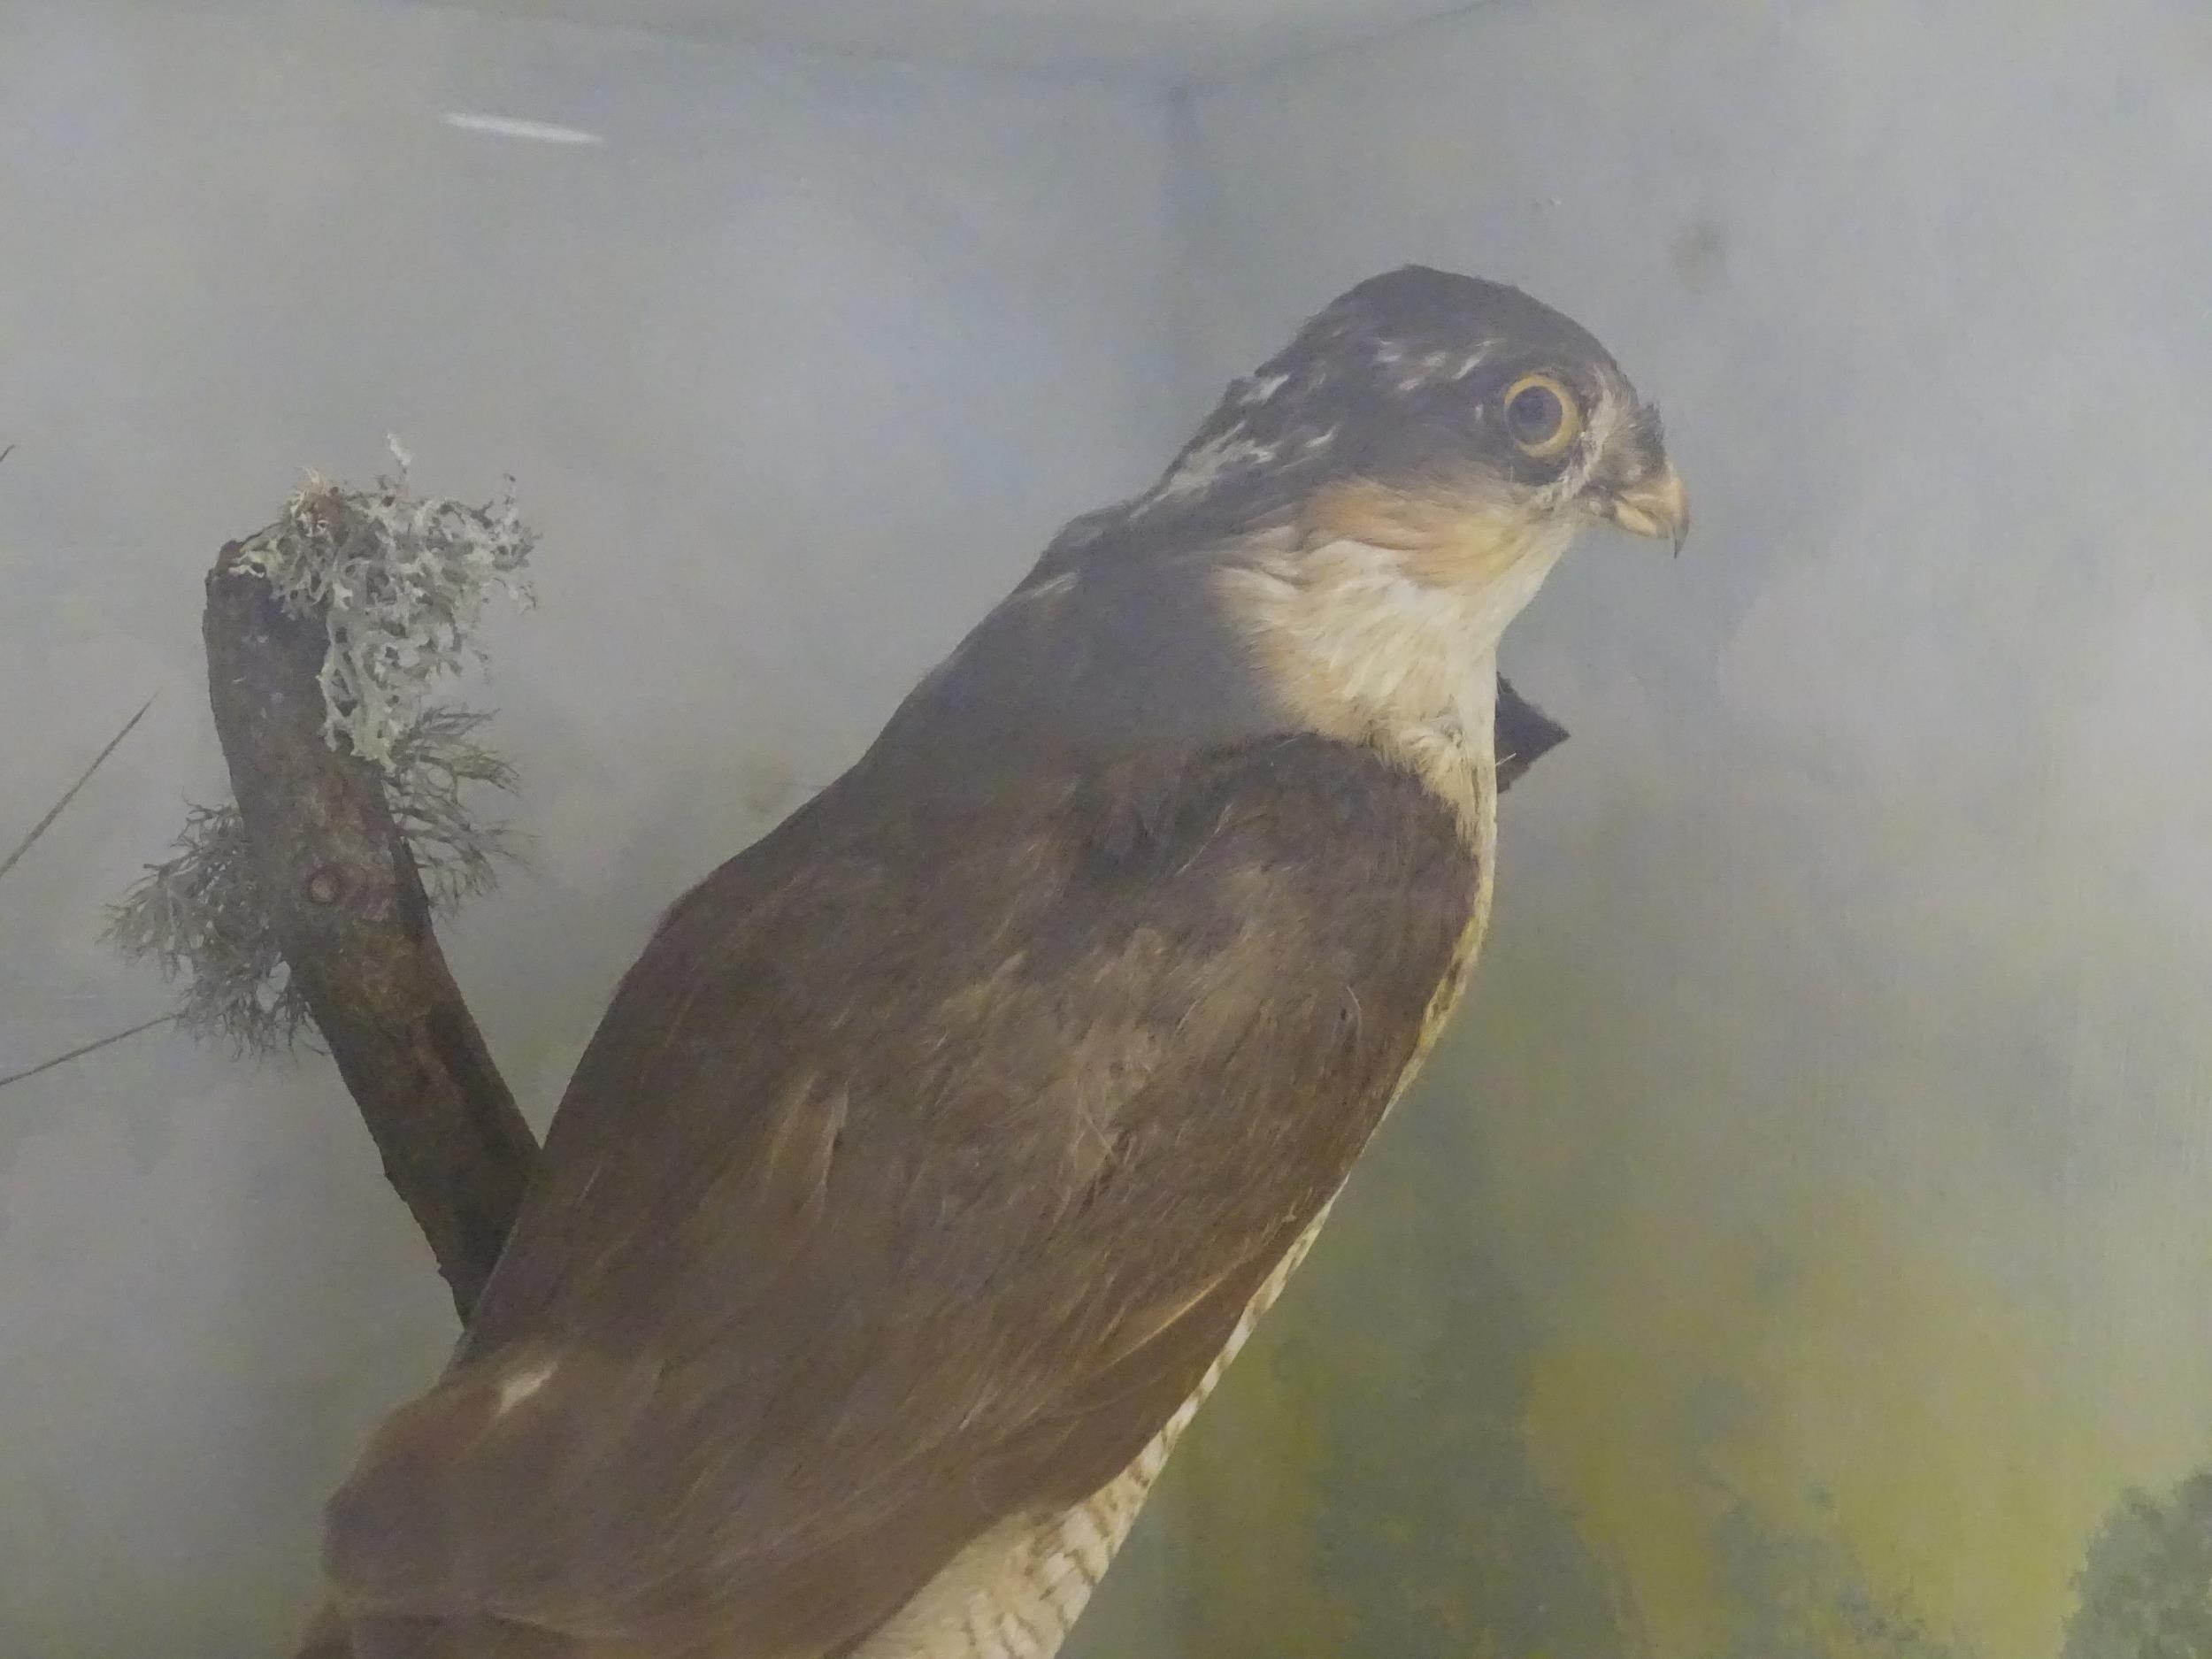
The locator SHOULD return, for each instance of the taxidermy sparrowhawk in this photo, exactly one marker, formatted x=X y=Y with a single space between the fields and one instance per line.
x=944 y=1145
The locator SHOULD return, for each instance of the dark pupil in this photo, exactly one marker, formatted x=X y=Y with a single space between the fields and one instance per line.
x=1534 y=415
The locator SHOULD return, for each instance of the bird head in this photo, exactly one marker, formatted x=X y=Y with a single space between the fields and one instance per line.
x=1382 y=497
x=1340 y=544
x=1425 y=397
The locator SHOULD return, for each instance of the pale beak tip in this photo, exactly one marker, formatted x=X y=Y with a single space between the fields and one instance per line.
x=1655 y=506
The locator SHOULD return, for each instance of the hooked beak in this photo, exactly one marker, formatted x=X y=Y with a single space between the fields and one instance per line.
x=1655 y=505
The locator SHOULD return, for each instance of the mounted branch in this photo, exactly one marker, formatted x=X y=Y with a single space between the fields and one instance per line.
x=313 y=897
x=348 y=907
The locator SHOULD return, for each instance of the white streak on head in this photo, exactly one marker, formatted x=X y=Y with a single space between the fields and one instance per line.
x=519 y=1386
x=1204 y=466
x=1260 y=387
x=1432 y=366
x=1052 y=587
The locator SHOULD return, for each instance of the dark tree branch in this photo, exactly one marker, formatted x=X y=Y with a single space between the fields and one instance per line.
x=350 y=913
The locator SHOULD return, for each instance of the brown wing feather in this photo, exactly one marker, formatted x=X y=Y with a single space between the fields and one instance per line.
x=915 y=1174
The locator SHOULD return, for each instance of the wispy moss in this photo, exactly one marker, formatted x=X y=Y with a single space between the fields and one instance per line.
x=432 y=783
x=200 y=917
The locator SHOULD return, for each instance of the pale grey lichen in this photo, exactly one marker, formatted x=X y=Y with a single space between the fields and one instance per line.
x=199 y=917
x=397 y=583
x=435 y=762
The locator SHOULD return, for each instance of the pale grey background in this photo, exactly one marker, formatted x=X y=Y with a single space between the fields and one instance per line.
x=1174 y=41
x=1831 y=1118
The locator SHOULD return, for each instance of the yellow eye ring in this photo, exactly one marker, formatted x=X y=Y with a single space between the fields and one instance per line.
x=1541 y=415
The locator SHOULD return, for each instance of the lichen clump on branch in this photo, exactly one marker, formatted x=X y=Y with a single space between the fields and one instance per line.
x=397 y=583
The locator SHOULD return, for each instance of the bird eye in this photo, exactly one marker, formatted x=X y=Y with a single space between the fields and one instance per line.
x=1541 y=415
